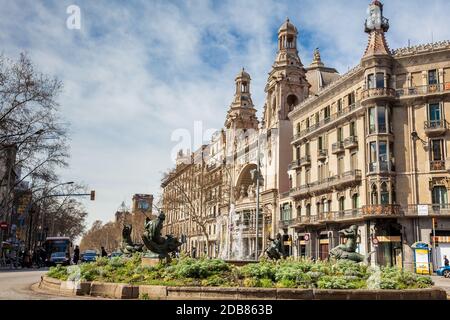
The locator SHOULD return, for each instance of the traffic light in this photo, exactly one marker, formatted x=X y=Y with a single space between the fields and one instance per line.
x=92 y=195
x=435 y=223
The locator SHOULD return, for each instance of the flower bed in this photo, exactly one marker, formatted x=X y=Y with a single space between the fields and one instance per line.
x=267 y=274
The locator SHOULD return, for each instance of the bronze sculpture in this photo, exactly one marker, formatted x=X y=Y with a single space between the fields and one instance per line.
x=276 y=249
x=156 y=244
x=347 y=251
x=128 y=247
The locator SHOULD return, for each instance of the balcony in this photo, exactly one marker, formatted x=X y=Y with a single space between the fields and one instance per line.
x=294 y=165
x=433 y=210
x=305 y=220
x=340 y=181
x=305 y=161
x=283 y=224
x=322 y=154
x=434 y=128
x=345 y=215
x=382 y=210
x=337 y=147
x=329 y=122
x=351 y=142
x=377 y=93
x=381 y=167
x=438 y=165
x=432 y=89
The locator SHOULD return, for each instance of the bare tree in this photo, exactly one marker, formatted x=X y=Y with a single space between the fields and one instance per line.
x=30 y=122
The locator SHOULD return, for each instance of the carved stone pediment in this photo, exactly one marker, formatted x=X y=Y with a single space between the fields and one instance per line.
x=440 y=181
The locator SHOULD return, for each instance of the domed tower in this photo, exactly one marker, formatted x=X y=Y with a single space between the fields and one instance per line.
x=287 y=85
x=242 y=113
x=377 y=97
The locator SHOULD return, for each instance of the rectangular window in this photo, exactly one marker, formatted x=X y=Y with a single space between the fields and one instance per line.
x=371 y=120
x=320 y=143
x=380 y=80
x=326 y=112
x=339 y=135
x=371 y=81
x=432 y=77
x=437 y=150
x=307 y=176
x=381 y=117
x=307 y=149
x=434 y=112
x=373 y=152
x=339 y=105
x=382 y=152
x=298 y=179
x=352 y=129
x=447 y=79
x=297 y=153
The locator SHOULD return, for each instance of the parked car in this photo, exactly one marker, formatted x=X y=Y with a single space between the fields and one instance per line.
x=59 y=258
x=115 y=254
x=89 y=256
x=444 y=271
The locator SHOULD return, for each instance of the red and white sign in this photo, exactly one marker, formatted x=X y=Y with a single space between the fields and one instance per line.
x=306 y=237
x=375 y=241
x=3 y=225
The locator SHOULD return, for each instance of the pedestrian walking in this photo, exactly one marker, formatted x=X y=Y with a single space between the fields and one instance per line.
x=446 y=263
x=76 y=255
x=104 y=253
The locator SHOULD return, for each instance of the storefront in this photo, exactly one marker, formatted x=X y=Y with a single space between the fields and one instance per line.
x=442 y=244
x=389 y=244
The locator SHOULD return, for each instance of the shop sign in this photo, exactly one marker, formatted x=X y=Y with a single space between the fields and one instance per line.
x=422 y=210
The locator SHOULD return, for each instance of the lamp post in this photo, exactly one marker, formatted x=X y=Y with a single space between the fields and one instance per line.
x=258 y=177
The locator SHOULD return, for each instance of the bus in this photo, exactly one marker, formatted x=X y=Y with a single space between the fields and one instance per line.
x=57 y=244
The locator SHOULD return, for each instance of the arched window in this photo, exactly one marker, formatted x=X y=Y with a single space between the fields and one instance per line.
x=291 y=101
x=374 y=195
x=384 y=193
x=308 y=209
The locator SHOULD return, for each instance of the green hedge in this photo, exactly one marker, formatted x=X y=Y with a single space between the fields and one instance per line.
x=268 y=274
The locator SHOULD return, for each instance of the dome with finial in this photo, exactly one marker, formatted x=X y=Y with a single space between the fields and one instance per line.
x=243 y=74
x=287 y=26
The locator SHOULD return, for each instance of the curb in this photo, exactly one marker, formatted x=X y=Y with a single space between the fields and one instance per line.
x=127 y=291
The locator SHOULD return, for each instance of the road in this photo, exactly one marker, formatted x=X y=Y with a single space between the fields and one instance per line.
x=16 y=285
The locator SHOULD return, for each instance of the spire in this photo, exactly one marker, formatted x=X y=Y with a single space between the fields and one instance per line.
x=376 y=25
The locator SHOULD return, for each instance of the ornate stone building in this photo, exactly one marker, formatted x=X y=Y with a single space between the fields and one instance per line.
x=367 y=148
x=371 y=149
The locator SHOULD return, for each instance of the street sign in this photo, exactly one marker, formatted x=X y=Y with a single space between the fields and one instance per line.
x=375 y=241
x=306 y=237
x=3 y=225
x=422 y=210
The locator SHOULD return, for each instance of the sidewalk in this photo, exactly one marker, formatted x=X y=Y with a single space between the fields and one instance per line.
x=442 y=282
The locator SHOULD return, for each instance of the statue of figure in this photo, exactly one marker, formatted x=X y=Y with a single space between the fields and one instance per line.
x=250 y=191
x=242 y=195
x=347 y=251
x=128 y=247
x=157 y=245
x=276 y=249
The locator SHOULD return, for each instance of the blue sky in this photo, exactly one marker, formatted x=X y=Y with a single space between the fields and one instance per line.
x=137 y=71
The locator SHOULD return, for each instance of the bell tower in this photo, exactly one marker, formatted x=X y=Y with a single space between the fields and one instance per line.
x=242 y=113
x=287 y=85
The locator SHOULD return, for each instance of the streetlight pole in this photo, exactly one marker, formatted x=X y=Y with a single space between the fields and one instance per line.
x=258 y=177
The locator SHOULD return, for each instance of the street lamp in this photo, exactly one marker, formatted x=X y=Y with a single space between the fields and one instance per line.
x=258 y=177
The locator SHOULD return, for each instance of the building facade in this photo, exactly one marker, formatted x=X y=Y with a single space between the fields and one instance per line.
x=366 y=148
x=370 y=149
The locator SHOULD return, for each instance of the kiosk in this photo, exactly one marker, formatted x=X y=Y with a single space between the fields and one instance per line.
x=422 y=261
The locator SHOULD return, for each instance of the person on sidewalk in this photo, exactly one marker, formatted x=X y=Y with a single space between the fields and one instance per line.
x=104 y=253
x=76 y=255
x=446 y=262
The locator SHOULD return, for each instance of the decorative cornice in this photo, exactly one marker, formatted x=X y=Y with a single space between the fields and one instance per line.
x=421 y=48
